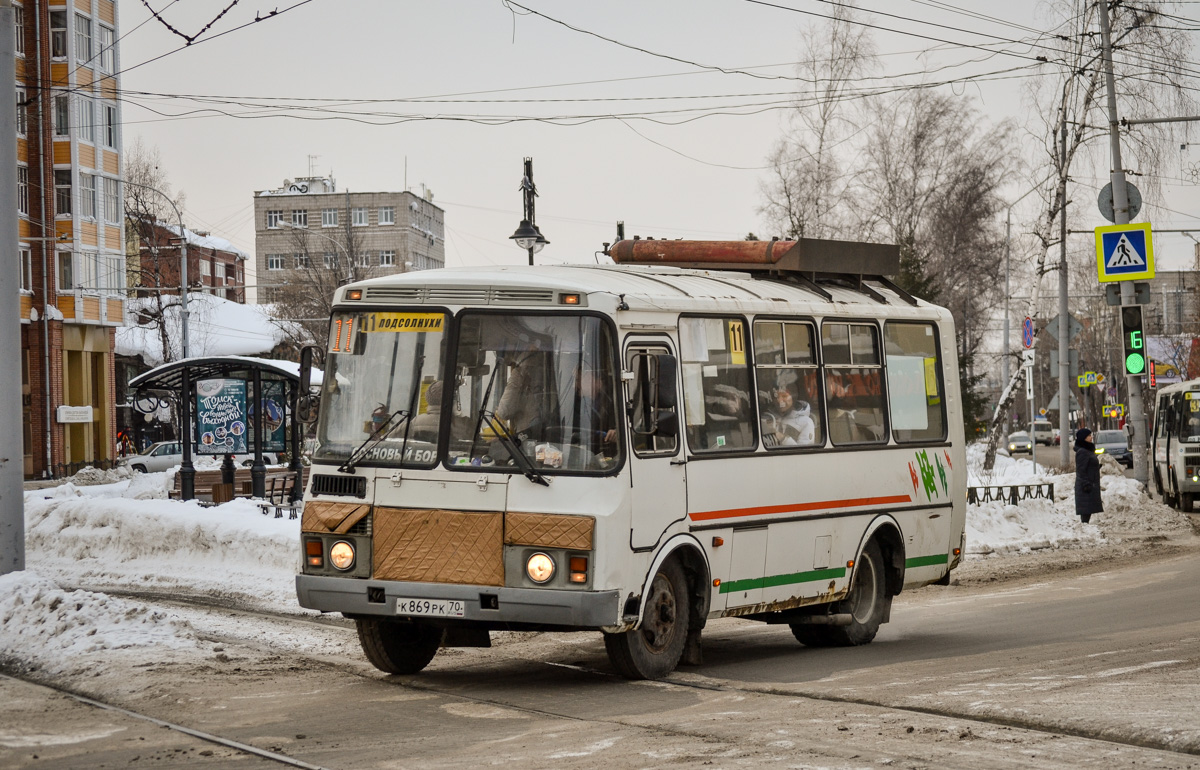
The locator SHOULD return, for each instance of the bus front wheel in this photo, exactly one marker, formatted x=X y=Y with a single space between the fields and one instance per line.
x=1185 y=502
x=866 y=605
x=653 y=650
x=398 y=648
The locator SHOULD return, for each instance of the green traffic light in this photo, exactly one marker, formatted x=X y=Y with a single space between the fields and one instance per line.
x=1135 y=363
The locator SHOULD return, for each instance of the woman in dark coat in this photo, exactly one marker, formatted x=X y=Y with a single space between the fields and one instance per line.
x=1087 y=476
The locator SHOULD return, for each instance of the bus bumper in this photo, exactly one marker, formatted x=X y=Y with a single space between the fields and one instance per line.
x=488 y=604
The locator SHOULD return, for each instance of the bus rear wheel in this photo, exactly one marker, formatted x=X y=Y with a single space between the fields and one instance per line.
x=398 y=648
x=653 y=650
x=866 y=605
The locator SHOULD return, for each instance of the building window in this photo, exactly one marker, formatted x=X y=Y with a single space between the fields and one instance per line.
x=66 y=271
x=116 y=272
x=62 y=192
x=87 y=196
x=23 y=190
x=26 y=270
x=19 y=21
x=330 y=261
x=301 y=260
x=205 y=268
x=62 y=116
x=220 y=279
x=387 y=258
x=107 y=52
x=87 y=120
x=299 y=218
x=85 y=274
x=273 y=219
x=58 y=34
x=112 y=201
x=274 y=261
x=364 y=259
x=22 y=113
x=83 y=39
x=359 y=216
x=387 y=215
x=329 y=217
x=110 y=126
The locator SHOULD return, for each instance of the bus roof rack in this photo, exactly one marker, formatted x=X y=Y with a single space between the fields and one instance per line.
x=808 y=261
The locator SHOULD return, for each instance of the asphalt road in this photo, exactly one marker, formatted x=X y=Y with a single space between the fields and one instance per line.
x=1090 y=668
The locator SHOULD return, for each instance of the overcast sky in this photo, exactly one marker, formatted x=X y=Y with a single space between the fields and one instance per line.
x=698 y=178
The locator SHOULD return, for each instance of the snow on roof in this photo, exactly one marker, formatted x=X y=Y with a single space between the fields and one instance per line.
x=216 y=327
x=206 y=241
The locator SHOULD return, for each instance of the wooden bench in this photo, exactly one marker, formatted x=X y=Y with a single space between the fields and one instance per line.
x=209 y=487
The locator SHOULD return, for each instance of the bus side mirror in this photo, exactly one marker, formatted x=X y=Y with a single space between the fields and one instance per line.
x=664 y=386
x=306 y=402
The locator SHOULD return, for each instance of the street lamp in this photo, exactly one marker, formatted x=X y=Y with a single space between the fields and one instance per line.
x=527 y=236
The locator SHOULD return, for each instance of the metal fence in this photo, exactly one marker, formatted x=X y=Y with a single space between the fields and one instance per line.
x=1014 y=493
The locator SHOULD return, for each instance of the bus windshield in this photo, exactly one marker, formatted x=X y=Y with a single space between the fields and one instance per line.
x=381 y=387
x=1189 y=429
x=534 y=391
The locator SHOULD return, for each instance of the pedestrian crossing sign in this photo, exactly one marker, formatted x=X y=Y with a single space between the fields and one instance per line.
x=1124 y=252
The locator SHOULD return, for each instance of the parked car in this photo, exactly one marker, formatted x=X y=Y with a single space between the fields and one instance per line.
x=168 y=454
x=1115 y=444
x=1019 y=442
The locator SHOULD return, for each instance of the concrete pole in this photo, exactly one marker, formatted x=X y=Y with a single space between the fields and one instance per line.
x=1064 y=318
x=1137 y=412
x=1007 y=348
x=12 y=493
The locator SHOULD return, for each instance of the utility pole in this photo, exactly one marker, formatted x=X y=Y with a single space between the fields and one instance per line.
x=1137 y=411
x=1064 y=318
x=12 y=493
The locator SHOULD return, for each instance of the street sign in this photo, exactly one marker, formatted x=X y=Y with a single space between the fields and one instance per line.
x=1081 y=381
x=1089 y=378
x=1027 y=358
x=1072 y=401
x=1124 y=252
x=1105 y=201
x=1100 y=378
x=1027 y=332
x=1072 y=367
x=1029 y=386
x=1073 y=327
x=1043 y=411
x=1113 y=410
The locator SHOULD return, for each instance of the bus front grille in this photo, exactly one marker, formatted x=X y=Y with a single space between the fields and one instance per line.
x=341 y=486
x=456 y=295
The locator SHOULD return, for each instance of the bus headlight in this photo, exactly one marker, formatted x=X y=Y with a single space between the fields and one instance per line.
x=539 y=568
x=341 y=555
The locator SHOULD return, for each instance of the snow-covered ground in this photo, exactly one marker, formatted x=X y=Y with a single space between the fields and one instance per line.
x=108 y=531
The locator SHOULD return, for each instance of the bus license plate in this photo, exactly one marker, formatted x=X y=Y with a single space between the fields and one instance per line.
x=440 y=608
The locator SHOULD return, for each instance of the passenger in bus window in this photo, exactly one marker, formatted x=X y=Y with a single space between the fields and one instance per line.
x=520 y=404
x=597 y=425
x=791 y=420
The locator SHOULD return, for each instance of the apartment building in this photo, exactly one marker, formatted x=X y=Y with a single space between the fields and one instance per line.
x=70 y=226
x=215 y=266
x=306 y=227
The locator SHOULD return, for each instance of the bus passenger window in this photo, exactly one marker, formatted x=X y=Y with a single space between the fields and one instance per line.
x=915 y=391
x=716 y=384
x=853 y=383
x=789 y=395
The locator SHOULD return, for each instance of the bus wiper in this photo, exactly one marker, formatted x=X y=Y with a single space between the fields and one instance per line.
x=377 y=435
x=513 y=445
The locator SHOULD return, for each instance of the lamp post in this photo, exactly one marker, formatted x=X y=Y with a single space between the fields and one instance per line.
x=528 y=236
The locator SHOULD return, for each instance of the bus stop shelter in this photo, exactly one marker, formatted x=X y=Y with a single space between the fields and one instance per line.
x=178 y=380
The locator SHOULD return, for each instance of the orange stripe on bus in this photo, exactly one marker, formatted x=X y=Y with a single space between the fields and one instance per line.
x=765 y=510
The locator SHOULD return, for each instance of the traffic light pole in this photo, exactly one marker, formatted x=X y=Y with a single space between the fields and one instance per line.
x=1137 y=412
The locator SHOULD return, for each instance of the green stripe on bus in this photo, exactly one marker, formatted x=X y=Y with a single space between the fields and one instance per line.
x=925 y=561
x=782 y=580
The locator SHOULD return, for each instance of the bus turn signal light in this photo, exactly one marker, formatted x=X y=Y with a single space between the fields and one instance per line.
x=578 y=565
x=718 y=541
x=354 y=294
x=716 y=582
x=570 y=299
x=850 y=564
x=314 y=553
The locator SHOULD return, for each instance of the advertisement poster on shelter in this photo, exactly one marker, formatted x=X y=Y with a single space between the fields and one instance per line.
x=221 y=417
x=273 y=415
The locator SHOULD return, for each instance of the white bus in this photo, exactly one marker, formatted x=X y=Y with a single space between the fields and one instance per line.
x=764 y=430
x=1175 y=443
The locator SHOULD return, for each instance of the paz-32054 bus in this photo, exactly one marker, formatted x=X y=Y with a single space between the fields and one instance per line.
x=768 y=430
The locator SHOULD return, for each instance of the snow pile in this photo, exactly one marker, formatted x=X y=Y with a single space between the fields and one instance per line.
x=128 y=536
x=90 y=476
x=998 y=527
x=59 y=631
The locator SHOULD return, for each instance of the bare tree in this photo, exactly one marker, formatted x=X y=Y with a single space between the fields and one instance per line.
x=806 y=194
x=148 y=200
x=323 y=262
x=1151 y=78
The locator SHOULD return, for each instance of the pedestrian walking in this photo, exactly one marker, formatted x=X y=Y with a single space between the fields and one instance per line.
x=1087 y=477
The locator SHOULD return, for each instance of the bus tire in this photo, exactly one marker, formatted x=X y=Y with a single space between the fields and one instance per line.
x=653 y=650
x=866 y=604
x=398 y=648
x=1185 y=502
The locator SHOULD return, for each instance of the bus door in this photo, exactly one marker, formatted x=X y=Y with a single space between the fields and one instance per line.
x=656 y=465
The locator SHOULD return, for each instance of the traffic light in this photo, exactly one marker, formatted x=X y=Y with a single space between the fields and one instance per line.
x=1132 y=339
